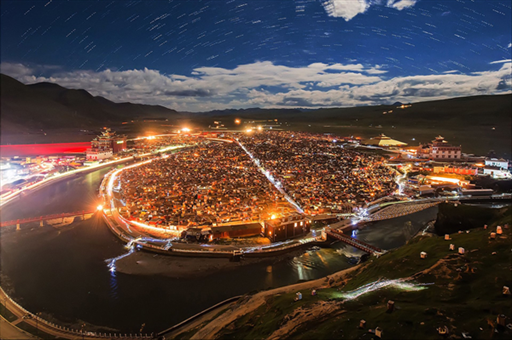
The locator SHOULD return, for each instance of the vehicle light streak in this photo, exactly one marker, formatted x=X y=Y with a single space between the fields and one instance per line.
x=376 y=285
x=109 y=189
x=267 y=174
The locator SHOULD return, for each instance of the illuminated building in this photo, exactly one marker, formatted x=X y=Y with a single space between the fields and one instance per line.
x=499 y=163
x=497 y=172
x=105 y=145
x=283 y=228
x=460 y=170
x=441 y=149
x=384 y=141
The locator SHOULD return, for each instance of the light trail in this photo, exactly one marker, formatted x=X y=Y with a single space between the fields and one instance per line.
x=376 y=285
x=271 y=179
x=112 y=262
x=110 y=189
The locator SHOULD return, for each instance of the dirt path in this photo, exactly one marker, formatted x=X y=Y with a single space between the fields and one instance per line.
x=251 y=303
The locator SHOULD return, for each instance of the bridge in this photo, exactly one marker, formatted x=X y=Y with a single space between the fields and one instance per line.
x=353 y=242
x=41 y=219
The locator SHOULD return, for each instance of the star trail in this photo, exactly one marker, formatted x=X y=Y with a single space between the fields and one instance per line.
x=203 y=55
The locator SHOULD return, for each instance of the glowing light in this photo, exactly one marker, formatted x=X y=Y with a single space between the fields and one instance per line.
x=260 y=128
x=248 y=130
x=99 y=207
x=444 y=179
x=237 y=121
x=112 y=262
x=185 y=129
x=273 y=217
x=376 y=285
x=270 y=178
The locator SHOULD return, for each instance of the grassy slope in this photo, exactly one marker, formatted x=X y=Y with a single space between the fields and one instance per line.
x=464 y=300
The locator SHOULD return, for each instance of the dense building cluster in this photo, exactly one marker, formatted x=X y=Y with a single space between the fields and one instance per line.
x=207 y=184
x=319 y=174
x=218 y=182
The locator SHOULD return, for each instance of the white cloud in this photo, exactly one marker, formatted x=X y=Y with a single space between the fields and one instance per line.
x=265 y=84
x=501 y=61
x=401 y=4
x=345 y=9
x=348 y=9
x=509 y=45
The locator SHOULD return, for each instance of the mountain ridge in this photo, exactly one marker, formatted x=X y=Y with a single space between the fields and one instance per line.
x=47 y=105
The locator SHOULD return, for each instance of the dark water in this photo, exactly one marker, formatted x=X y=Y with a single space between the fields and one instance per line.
x=63 y=274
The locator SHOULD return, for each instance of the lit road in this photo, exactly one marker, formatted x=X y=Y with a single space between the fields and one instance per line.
x=8 y=331
x=6 y=198
x=271 y=179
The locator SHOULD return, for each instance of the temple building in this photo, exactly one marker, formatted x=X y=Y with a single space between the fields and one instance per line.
x=284 y=228
x=106 y=145
x=441 y=149
x=384 y=141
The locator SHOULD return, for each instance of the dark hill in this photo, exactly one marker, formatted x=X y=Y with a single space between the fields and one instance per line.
x=46 y=105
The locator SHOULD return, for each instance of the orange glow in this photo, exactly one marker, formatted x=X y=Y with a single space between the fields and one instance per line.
x=445 y=179
x=237 y=121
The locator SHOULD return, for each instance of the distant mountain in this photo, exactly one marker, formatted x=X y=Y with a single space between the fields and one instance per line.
x=48 y=105
x=456 y=112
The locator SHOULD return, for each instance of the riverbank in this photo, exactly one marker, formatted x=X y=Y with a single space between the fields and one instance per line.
x=149 y=264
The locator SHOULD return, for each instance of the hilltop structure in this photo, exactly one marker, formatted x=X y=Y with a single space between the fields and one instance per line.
x=384 y=141
x=440 y=149
x=106 y=145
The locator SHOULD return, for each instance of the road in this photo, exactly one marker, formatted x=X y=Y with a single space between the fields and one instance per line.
x=9 y=331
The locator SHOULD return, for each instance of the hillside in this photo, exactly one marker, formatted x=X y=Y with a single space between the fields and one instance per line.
x=29 y=108
x=461 y=292
x=478 y=123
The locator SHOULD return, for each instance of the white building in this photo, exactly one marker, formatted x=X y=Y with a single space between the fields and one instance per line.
x=441 y=149
x=98 y=154
x=496 y=172
x=499 y=163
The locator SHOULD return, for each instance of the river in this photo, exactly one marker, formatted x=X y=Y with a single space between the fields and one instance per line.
x=62 y=272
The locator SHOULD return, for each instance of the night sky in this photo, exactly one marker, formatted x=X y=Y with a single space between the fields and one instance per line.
x=204 y=55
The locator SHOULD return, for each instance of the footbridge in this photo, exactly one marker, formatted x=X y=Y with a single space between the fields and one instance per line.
x=353 y=242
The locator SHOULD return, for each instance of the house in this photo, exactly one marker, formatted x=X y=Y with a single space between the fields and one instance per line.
x=287 y=227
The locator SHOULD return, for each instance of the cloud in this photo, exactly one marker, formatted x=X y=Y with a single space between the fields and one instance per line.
x=509 y=45
x=501 y=61
x=348 y=9
x=401 y=4
x=266 y=85
x=345 y=9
